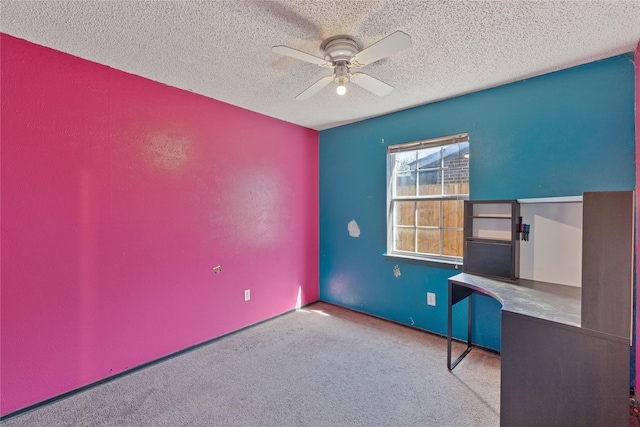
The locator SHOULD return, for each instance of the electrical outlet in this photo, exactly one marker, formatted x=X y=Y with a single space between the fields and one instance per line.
x=247 y=294
x=431 y=298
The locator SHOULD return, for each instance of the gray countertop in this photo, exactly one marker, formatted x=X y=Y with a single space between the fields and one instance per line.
x=549 y=301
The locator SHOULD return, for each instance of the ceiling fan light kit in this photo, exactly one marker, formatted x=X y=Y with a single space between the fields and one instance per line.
x=341 y=76
x=341 y=89
x=342 y=53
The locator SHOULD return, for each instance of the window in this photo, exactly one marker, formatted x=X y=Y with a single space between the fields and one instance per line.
x=428 y=182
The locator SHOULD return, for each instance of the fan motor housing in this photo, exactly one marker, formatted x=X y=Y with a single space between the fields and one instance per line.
x=339 y=48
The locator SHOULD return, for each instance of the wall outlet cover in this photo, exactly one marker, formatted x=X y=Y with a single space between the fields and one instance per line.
x=431 y=298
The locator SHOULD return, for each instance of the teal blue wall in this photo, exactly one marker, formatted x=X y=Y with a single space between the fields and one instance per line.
x=558 y=134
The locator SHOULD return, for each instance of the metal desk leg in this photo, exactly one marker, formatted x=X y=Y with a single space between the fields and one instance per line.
x=449 y=328
x=451 y=365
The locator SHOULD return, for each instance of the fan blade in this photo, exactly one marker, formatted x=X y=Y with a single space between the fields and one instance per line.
x=314 y=88
x=302 y=56
x=381 y=49
x=371 y=84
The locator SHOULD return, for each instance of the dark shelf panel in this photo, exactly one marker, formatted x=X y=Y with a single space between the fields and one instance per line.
x=496 y=257
x=488 y=240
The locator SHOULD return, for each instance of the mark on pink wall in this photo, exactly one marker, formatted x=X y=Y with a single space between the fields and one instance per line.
x=166 y=149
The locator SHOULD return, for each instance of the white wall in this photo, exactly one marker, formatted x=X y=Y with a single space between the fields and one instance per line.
x=554 y=250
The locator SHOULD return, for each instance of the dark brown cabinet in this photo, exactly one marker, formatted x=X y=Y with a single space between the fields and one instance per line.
x=607 y=262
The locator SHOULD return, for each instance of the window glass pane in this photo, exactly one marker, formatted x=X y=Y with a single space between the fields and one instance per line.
x=456 y=173
x=404 y=213
x=430 y=183
x=452 y=213
x=405 y=162
x=456 y=181
x=404 y=239
x=452 y=242
x=429 y=158
x=456 y=155
x=428 y=213
x=429 y=241
x=406 y=184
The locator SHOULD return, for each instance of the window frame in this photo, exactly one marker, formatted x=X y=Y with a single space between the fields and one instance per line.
x=392 y=199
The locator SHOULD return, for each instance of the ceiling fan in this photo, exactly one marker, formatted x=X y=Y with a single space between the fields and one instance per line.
x=342 y=53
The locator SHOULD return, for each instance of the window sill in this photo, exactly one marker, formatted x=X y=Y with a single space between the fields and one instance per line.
x=431 y=262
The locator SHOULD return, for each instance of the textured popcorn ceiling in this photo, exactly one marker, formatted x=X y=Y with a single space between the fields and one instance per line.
x=222 y=49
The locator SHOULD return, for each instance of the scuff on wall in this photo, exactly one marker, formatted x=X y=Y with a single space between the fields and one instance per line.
x=354 y=230
x=167 y=149
x=396 y=271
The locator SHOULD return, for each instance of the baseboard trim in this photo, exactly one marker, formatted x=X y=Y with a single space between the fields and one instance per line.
x=487 y=349
x=130 y=371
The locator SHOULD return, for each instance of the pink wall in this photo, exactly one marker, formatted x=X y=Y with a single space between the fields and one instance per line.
x=119 y=196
